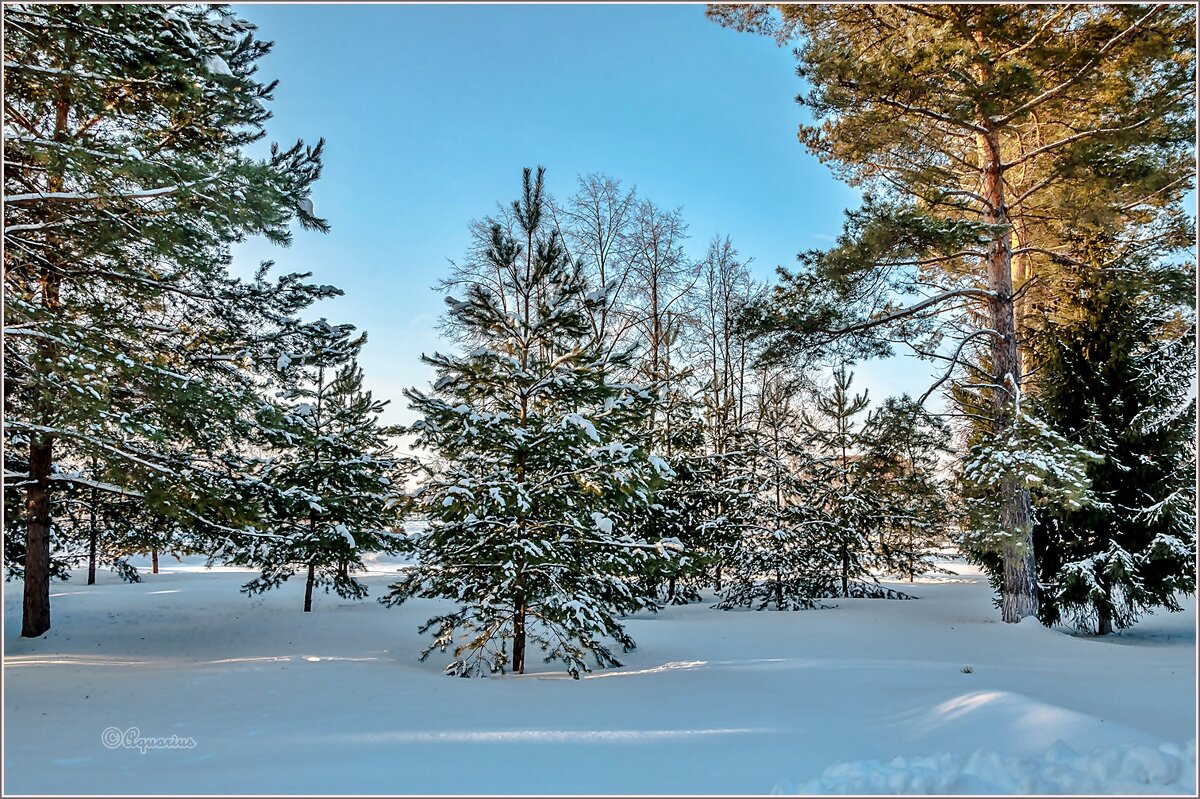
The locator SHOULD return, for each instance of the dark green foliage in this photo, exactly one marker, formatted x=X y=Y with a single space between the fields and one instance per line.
x=1118 y=360
x=902 y=448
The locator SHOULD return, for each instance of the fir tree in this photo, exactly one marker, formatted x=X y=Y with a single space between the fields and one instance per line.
x=1118 y=360
x=537 y=473
x=837 y=487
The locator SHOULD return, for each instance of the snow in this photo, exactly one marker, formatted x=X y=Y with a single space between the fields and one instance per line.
x=602 y=522
x=868 y=696
x=217 y=66
x=1124 y=769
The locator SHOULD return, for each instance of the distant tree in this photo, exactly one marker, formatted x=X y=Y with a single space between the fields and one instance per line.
x=902 y=447
x=541 y=461
x=783 y=555
x=837 y=485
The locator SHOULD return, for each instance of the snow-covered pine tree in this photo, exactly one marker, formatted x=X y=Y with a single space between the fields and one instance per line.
x=684 y=506
x=1117 y=360
x=836 y=485
x=902 y=447
x=536 y=468
x=782 y=555
x=1029 y=452
x=125 y=181
x=332 y=480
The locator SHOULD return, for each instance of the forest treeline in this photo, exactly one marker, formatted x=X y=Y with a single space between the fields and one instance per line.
x=623 y=416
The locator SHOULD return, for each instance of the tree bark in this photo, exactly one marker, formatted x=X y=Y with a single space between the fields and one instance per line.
x=1018 y=595
x=35 y=618
x=92 y=535
x=308 y=587
x=35 y=612
x=518 y=660
x=154 y=561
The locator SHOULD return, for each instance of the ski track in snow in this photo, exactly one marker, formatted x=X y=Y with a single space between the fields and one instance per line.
x=867 y=697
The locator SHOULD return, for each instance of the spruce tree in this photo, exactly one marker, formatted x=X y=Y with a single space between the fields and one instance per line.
x=837 y=486
x=1118 y=359
x=537 y=472
x=126 y=180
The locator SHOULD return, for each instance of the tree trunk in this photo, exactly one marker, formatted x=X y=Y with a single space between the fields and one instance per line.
x=35 y=618
x=35 y=612
x=518 y=659
x=845 y=552
x=671 y=588
x=91 y=578
x=1104 y=622
x=1019 y=588
x=308 y=587
x=154 y=561
x=92 y=535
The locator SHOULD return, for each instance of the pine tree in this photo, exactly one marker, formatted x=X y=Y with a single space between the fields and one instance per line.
x=1118 y=360
x=683 y=508
x=838 y=487
x=782 y=555
x=902 y=445
x=334 y=481
x=537 y=474
x=126 y=180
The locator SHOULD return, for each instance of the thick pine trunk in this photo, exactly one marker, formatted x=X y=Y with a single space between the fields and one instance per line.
x=35 y=618
x=1018 y=597
x=35 y=613
x=154 y=561
x=308 y=587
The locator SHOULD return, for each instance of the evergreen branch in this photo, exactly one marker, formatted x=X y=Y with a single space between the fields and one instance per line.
x=1068 y=140
x=926 y=112
x=954 y=362
x=70 y=196
x=56 y=431
x=1054 y=91
x=97 y=484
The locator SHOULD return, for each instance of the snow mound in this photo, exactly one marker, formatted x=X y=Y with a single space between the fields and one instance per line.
x=1124 y=769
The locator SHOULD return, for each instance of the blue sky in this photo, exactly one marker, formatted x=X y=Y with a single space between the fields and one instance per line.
x=430 y=112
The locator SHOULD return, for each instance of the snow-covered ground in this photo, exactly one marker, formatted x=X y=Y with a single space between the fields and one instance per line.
x=871 y=696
